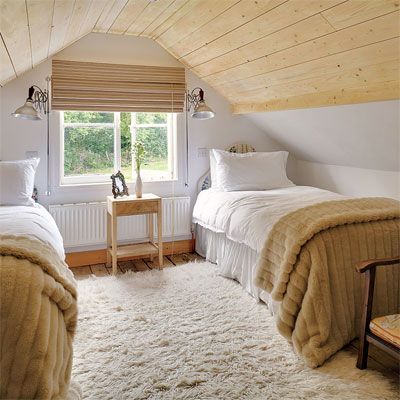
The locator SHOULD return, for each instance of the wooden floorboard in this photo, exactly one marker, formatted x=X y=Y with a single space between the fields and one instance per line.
x=144 y=264
x=377 y=360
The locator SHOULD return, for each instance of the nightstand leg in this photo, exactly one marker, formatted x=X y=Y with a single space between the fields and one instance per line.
x=114 y=245
x=151 y=231
x=159 y=233
x=108 y=239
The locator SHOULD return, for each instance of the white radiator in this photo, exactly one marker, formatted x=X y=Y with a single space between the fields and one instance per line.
x=84 y=224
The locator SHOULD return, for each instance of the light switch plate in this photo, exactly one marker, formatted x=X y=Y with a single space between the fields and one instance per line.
x=31 y=154
x=202 y=152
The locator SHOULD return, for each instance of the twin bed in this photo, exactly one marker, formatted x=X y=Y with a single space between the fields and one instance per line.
x=295 y=248
x=38 y=295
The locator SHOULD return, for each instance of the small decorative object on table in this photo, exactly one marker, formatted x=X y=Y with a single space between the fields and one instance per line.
x=139 y=155
x=35 y=195
x=119 y=187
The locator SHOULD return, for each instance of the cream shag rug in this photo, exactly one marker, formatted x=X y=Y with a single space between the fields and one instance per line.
x=185 y=333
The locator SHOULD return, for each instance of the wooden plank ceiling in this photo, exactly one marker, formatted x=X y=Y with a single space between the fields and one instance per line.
x=260 y=54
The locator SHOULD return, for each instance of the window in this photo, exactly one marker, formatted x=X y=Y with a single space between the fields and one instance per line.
x=96 y=144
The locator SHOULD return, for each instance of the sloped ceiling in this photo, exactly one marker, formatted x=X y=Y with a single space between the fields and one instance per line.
x=260 y=54
x=356 y=135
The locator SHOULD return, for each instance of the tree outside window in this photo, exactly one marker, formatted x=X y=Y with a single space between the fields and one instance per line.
x=96 y=144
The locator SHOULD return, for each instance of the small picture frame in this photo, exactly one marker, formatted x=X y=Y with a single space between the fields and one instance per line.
x=119 y=187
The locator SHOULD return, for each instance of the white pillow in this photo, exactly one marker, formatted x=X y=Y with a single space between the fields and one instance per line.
x=251 y=171
x=16 y=182
x=213 y=170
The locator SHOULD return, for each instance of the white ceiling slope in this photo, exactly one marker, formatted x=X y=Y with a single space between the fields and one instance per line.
x=359 y=135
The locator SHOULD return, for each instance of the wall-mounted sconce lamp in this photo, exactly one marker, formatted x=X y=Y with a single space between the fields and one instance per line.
x=38 y=102
x=195 y=100
x=35 y=103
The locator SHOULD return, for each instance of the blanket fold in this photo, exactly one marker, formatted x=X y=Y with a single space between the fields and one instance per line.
x=307 y=263
x=38 y=319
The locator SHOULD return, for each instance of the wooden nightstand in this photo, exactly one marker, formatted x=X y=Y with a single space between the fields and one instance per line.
x=131 y=205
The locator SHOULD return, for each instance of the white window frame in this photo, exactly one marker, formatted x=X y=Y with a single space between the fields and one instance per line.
x=105 y=178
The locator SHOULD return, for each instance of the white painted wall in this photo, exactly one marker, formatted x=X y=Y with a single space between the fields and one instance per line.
x=18 y=136
x=350 y=181
x=350 y=149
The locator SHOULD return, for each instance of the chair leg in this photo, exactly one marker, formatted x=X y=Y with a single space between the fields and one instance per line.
x=366 y=318
x=362 y=359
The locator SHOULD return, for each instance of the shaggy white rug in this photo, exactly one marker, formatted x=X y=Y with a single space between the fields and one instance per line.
x=185 y=333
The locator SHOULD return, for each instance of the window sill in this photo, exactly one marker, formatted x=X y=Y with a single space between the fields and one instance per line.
x=104 y=184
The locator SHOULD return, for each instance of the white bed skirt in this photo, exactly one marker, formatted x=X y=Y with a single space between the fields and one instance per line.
x=234 y=260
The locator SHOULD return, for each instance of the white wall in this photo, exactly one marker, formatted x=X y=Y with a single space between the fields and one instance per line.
x=18 y=136
x=351 y=149
x=350 y=181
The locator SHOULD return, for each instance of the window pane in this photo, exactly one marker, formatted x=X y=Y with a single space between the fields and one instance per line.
x=151 y=118
x=126 y=145
x=155 y=142
x=88 y=116
x=88 y=151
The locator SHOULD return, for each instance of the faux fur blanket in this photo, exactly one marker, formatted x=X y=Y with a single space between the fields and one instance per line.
x=38 y=311
x=308 y=264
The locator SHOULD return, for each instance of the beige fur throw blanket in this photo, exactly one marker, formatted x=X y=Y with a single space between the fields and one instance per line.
x=308 y=265
x=38 y=310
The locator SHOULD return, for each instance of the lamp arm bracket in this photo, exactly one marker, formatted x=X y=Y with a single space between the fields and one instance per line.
x=194 y=97
x=39 y=97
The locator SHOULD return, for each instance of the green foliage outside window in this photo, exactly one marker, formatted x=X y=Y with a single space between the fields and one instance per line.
x=90 y=149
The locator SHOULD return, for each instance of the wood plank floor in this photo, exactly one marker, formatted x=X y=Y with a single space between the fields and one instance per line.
x=143 y=264
x=378 y=359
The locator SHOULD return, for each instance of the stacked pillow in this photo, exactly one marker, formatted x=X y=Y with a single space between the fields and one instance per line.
x=248 y=171
x=16 y=182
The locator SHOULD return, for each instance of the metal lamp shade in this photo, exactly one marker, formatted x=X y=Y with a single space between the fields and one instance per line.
x=27 y=111
x=202 y=111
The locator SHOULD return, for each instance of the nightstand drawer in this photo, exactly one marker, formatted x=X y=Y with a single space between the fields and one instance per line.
x=136 y=207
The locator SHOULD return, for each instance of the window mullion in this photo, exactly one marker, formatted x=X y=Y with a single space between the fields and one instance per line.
x=133 y=129
x=117 y=141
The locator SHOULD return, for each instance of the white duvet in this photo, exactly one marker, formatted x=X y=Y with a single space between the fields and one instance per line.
x=32 y=221
x=248 y=216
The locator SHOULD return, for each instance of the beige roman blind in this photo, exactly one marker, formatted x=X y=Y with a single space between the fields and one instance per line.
x=116 y=87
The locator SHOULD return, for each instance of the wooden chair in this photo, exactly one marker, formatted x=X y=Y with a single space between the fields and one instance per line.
x=375 y=331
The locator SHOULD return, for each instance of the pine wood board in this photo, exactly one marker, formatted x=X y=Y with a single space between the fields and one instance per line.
x=99 y=270
x=354 y=12
x=365 y=34
x=95 y=10
x=335 y=65
x=110 y=13
x=147 y=16
x=180 y=13
x=166 y=14
x=40 y=20
x=278 y=18
x=383 y=91
x=232 y=18
x=79 y=14
x=357 y=77
x=15 y=32
x=128 y=15
x=62 y=14
x=200 y=13
x=155 y=265
x=302 y=31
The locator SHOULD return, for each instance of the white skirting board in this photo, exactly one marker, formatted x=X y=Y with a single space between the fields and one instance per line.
x=83 y=225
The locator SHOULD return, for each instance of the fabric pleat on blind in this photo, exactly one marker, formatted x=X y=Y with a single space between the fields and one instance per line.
x=115 y=87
